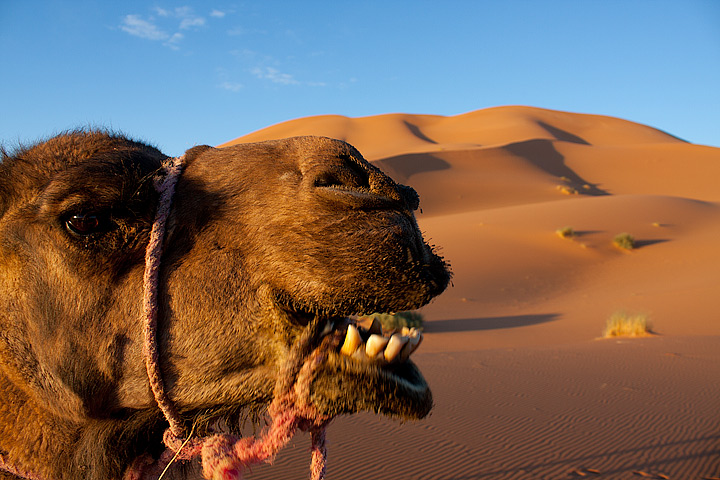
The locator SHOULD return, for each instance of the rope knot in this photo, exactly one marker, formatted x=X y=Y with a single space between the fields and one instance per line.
x=183 y=448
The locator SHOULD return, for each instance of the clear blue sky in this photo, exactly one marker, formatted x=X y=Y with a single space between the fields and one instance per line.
x=186 y=72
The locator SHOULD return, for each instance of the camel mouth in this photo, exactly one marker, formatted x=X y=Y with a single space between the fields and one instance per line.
x=366 y=368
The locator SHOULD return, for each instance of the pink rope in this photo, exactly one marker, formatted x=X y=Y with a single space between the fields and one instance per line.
x=224 y=456
x=153 y=254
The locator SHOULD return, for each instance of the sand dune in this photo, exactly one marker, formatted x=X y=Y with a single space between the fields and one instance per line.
x=524 y=389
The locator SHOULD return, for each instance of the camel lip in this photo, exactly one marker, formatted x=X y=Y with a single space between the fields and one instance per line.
x=393 y=373
x=345 y=384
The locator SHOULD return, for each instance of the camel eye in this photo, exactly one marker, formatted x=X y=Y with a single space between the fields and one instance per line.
x=84 y=224
x=328 y=179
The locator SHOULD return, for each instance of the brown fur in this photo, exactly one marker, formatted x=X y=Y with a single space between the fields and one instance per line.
x=262 y=238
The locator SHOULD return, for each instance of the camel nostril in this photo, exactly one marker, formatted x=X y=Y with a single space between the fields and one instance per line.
x=344 y=177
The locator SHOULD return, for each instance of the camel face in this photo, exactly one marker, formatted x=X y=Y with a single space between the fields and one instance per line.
x=316 y=234
x=266 y=243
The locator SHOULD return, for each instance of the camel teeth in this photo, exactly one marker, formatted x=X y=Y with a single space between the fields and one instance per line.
x=395 y=346
x=405 y=331
x=412 y=344
x=375 y=344
x=352 y=341
x=375 y=327
x=327 y=328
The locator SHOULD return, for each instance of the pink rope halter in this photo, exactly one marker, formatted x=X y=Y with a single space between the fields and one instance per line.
x=224 y=456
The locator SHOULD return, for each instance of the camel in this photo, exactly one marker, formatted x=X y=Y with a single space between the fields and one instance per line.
x=268 y=251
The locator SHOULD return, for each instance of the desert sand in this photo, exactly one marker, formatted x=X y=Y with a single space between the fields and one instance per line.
x=523 y=385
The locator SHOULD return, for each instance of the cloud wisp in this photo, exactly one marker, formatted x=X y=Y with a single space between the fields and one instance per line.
x=176 y=20
x=138 y=27
x=274 y=75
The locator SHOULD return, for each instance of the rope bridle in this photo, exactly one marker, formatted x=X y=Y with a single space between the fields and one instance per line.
x=223 y=456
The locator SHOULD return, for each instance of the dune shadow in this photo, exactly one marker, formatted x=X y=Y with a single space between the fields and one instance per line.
x=582 y=233
x=488 y=323
x=415 y=130
x=647 y=243
x=402 y=167
x=563 y=135
x=542 y=153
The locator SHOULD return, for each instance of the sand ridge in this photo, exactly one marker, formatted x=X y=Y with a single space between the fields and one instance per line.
x=526 y=305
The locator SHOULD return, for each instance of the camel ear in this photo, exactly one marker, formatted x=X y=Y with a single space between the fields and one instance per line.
x=2 y=202
x=4 y=158
x=194 y=152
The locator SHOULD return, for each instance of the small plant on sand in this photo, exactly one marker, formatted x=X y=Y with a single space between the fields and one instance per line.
x=623 y=324
x=624 y=241
x=396 y=321
x=567 y=189
x=565 y=232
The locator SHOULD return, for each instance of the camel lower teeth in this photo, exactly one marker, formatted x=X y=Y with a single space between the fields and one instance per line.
x=395 y=346
x=412 y=344
x=375 y=345
x=398 y=347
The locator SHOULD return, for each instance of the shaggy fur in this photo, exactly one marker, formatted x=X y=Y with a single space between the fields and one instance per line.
x=264 y=242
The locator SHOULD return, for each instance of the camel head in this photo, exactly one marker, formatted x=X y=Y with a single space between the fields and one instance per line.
x=266 y=243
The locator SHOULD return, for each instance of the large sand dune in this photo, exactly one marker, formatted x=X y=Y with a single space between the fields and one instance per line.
x=524 y=388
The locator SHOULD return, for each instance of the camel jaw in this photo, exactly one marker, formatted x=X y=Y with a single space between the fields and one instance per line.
x=364 y=370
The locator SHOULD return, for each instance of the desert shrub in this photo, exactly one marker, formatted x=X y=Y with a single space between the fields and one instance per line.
x=624 y=241
x=567 y=189
x=565 y=232
x=395 y=321
x=623 y=324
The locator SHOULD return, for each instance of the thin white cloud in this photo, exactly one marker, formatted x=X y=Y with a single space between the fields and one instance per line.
x=149 y=27
x=232 y=86
x=136 y=26
x=185 y=11
x=188 y=22
x=174 y=40
x=239 y=30
x=217 y=14
x=274 y=75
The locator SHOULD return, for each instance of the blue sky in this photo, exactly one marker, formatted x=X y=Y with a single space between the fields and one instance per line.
x=181 y=73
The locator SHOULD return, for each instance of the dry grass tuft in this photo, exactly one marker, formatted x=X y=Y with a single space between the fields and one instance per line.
x=396 y=321
x=567 y=189
x=565 y=232
x=624 y=241
x=622 y=324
